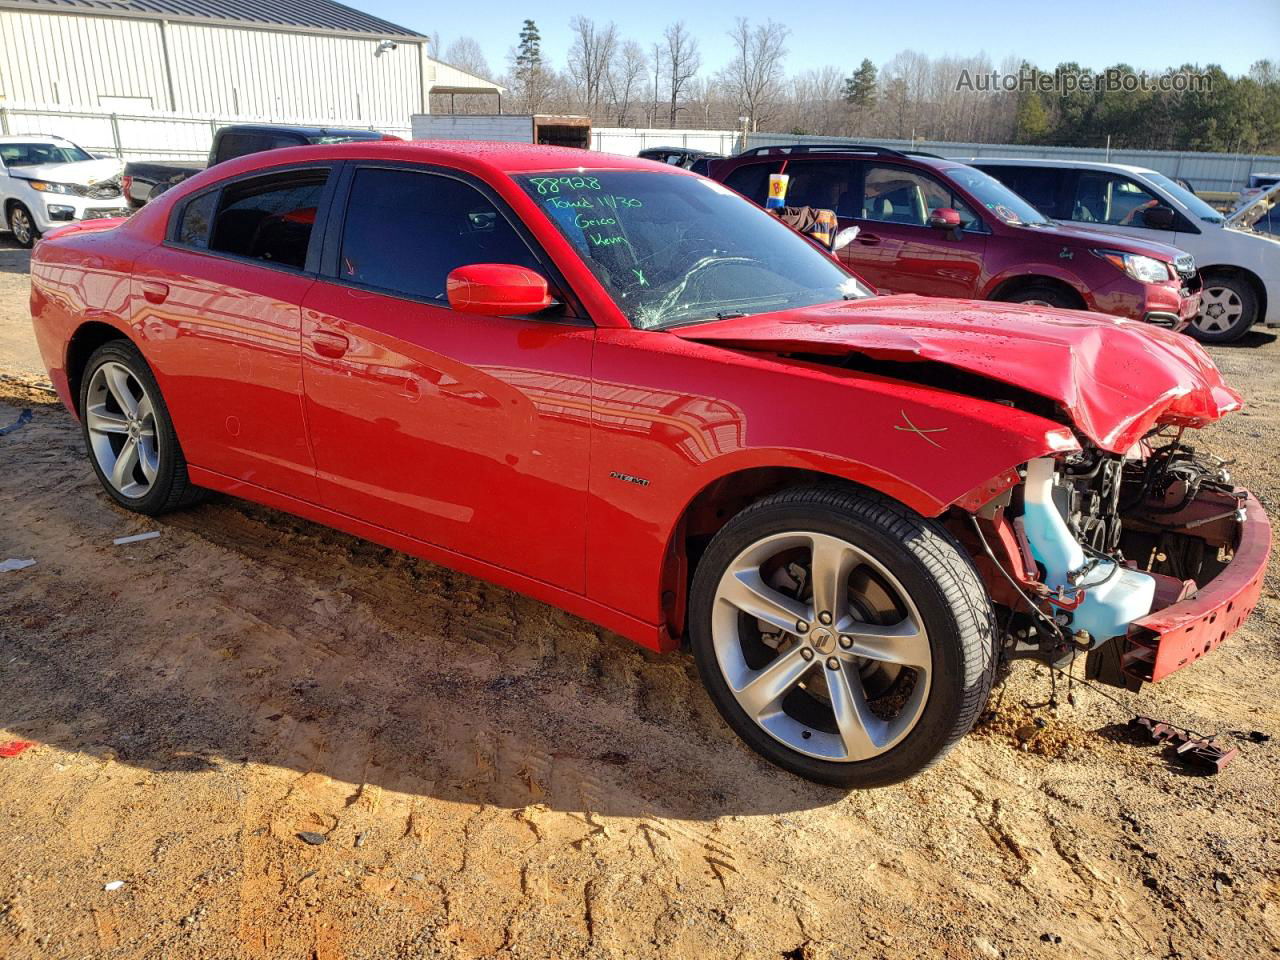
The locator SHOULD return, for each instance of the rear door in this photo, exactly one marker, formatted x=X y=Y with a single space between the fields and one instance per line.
x=896 y=250
x=465 y=431
x=219 y=301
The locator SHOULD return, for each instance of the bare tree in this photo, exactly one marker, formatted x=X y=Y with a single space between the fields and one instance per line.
x=755 y=75
x=683 y=61
x=625 y=80
x=591 y=60
x=465 y=54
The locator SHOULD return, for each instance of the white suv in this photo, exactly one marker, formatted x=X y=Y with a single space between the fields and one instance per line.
x=1240 y=267
x=47 y=181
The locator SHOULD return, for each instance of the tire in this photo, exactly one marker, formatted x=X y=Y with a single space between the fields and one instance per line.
x=941 y=618
x=1043 y=295
x=157 y=480
x=22 y=225
x=1228 y=308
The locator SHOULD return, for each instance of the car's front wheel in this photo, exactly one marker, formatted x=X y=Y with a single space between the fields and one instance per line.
x=22 y=225
x=842 y=636
x=1228 y=308
x=128 y=432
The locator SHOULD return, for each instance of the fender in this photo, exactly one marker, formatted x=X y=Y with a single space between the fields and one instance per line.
x=1025 y=271
x=657 y=448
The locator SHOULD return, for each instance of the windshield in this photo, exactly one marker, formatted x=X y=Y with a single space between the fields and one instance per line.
x=673 y=249
x=1185 y=197
x=31 y=154
x=996 y=197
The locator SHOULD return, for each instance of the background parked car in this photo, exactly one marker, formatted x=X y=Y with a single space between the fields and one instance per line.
x=46 y=181
x=936 y=227
x=144 y=179
x=1240 y=268
x=687 y=157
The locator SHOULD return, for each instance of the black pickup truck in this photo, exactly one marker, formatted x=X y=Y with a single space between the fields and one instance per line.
x=144 y=179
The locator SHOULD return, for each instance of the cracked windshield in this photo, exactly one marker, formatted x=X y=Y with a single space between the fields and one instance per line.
x=674 y=249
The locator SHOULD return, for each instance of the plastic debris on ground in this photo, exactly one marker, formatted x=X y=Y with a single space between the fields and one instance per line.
x=14 y=564
x=113 y=885
x=120 y=541
x=15 y=747
x=1202 y=755
x=23 y=418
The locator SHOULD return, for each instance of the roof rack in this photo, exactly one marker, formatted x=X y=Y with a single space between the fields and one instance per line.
x=822 y=148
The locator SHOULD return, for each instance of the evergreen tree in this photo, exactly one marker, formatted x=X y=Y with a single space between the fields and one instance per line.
x=860 y=89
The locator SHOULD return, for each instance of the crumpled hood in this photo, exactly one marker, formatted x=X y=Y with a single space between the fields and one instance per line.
x=1114 y=378
x=84 y=173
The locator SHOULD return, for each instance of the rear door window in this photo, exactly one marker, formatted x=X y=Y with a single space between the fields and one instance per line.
x=752 y=180
x=405 y=230
x=825 y=184
x=270 y=218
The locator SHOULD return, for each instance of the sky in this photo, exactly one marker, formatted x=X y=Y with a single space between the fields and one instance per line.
x=1094 y=33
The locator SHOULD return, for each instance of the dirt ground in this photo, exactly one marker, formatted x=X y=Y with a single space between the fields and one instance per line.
x=493 y=778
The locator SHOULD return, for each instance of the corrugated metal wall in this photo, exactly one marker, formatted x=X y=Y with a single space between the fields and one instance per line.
x=89 y=62
x=78 y=60
x=512 y=128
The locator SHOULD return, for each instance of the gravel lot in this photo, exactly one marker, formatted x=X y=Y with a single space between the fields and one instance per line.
x=493 y=778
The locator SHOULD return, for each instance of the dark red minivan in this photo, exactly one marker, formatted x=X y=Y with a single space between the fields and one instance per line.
x=932 y=226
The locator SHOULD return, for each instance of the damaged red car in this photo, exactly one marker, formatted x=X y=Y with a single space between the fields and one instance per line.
x=625 y=390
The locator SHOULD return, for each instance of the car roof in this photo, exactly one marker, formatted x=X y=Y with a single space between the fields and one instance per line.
x=35 y=138
x=301 y=131
x=852 y=152
x=478 y=156
x=1039 y=162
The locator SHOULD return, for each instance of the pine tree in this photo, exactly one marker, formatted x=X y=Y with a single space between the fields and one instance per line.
x=860 y=89
x=530 y=73
x=1031 y=122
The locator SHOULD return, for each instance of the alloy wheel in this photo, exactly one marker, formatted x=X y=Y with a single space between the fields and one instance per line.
x=20 y=225
x=121 y=421
x=1220 y=310
x=821 y=646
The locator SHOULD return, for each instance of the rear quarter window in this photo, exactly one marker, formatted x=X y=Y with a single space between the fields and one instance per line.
x=195 y=219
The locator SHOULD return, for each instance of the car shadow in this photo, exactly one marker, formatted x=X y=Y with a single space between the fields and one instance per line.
x=242 y=634
x=1253 y=339
x=13 y=258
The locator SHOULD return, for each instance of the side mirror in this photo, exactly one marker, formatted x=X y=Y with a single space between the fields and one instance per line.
x=497 y=289
x=944 y=218
x=844 y=238
x=1158 y=218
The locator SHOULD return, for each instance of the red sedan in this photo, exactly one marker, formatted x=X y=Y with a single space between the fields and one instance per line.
x=625 y=390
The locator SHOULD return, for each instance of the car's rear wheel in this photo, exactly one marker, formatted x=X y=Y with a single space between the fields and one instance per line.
x=128 y=432
x=22 y=225
x=842 y=636
x=1228 y=308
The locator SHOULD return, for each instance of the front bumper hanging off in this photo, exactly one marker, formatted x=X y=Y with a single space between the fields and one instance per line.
x=1170 y=638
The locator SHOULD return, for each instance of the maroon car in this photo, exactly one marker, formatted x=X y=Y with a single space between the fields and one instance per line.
x=932 y=226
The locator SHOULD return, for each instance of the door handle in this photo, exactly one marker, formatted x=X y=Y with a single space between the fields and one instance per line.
x=868 y=239
x=153 y=291
x=332 y=345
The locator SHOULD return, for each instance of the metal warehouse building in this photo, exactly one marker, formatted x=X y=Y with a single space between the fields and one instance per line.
x=308 y=60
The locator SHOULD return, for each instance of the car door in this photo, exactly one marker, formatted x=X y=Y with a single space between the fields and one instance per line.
x=896 y=250
x=469 y=432
x=219 y=302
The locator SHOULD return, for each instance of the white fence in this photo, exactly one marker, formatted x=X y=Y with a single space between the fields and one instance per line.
x=629 y=142
x=155 y=135
x=160 y=135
